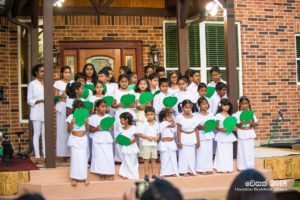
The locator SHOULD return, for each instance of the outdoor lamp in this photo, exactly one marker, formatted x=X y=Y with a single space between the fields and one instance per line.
x=154 y=55
x=213 y=7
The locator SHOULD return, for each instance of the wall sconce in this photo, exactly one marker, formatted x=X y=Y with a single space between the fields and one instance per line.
x=55 y=56
x=154 y=52
x=213 y=7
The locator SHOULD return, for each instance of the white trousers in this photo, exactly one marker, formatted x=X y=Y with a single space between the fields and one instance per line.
x=224 y=157
x=168 y=163
x=130 y=166
x=245 y=154
x=186 y=159
x=204 y=156
x=38 y=128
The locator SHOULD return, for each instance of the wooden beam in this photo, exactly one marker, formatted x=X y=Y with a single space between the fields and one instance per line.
x=95 y=5
x=184 y=12
x=34 y=13
x=108 y=3
x=48 y=83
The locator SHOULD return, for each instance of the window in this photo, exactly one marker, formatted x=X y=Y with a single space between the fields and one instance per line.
x=298 y=57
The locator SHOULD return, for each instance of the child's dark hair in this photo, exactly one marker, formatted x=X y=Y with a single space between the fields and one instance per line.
x=149 y=109
x=201 y=85
x=98 y=103
x=215 y=69
x=224 y=102
x=220 y=86
x=128 y=116
x=147 y=67
x=152 y=76
x=184 y=103
x=183 y=78
x=188 y=73
x=193 y=72
x=100 y=82
x=163 y=80
x=35 y=69
x=107 y=69
x=71 y=89
x=126 y=69
x=171 y=74
x=104 y=72
x=201 y=100
x=160 y=69
x=244 y=98
x=77 y=104
x=63 y=69
x=79 y=75
x=137 y=89
x=94 y=76
x=121 y=77
x=163 y=113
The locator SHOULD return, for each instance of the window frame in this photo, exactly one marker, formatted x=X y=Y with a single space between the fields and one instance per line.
x=297 y=59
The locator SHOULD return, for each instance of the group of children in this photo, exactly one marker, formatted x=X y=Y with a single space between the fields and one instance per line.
x=176 y=134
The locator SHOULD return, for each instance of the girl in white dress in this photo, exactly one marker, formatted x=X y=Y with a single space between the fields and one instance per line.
x=35 y=99
x=188 y=138
x=78 y=143
x=123 y=89
x=167 y=146
x=204 y=155
x=98 y=92
x=173 y=82
x=90 y=73
x=246 y=136
x=224 y=152
x=102 y=149
x=129 y=168
x=74 y=91
x=62 y=136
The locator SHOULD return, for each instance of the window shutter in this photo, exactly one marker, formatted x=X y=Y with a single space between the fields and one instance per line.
x=194 y=47
x=171 y=47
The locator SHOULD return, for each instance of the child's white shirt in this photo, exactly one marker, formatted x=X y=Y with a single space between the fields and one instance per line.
x=75 y=126
x=151 y=130
x=158 y=102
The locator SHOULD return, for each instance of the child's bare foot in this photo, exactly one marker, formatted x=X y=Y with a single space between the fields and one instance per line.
x=102 y=178
x=110 y=178
x=74 y=183
x=122 y=177
x=210 y=172
x=185 y=175
x=86 y=182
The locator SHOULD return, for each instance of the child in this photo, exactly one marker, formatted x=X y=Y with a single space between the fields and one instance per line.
x=81 y=78
x=90 y=73
x=123 y=89
x=129 y=168
x=183 y=93
x=246 y=136
x=215 y=73
x=160 y=71
x=173 y=82
x=204 y=155
x=78 y=142
x=133 y=78
x=149 y=134
x=188 y=138
x=148 y=70
x=167 y=146
x=158 y=99
x=202 y=88
x=224 y=152
x=125 y=70
x=73 y=90
x=221 y=90
x=102 y=148
x=195 y=77
x=153 y=82
x=110 y=78
x=187 y=75
x=103 y=77
x=98 y=92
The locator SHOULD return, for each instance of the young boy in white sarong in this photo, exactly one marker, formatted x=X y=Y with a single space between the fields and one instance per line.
x=167 y=146
x=78 y=142
x=149 y=135
x=129 y=168
x=102 y=149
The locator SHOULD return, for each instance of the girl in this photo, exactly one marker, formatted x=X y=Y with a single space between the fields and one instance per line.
x=90 y=73
x=102 y=148
x=204 y=155
x=188 y=138
x=125 y=70
x=224 y=152
x=123 y=89
x=148 y=70
x=111 y=78
x=173 y=82
x=129 y=168
x=35 y=99
x=246 y=136
x=62 y=149
x=73 y=90
x=78 y=142
x=167 y=145
x=98 y=92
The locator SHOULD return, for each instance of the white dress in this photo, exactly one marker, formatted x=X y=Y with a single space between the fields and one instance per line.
x=102 y=149
x=245 y=150
x=130 y=164
x=168 y=157
x=224 y=152
x=204 y=154
x=62 y=135
x=187 y=155
x=183 y=95
x=79 y=153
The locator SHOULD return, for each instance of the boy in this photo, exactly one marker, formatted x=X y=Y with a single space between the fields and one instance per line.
x=160 y=71
x=103 y=76
x=221 y=90
x=159 y=98
x=153 y=82
x=149 y=134
x=195 y=77
x=215 y=73
x=202 y=88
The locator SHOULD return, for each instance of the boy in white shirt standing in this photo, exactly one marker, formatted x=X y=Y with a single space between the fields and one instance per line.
x=215 y=73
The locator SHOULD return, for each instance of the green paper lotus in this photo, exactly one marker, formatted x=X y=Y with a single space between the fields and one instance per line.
x=246 y=116
x=127 y=100
x=85 y=93
x=156 y=92
x=88 y=105
x=57 y=98
x=210 y=91
x=131 y=87
x=106 y=123
x=229 y=124
x=81 y=114
x=210 y=125
x=123 y=140
x=89 y=87
x=109 y=100
x=169 y=102
x=145 y=97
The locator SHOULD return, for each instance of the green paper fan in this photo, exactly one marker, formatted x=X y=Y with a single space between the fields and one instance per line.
x=123 y=140
x=88 y=105
x=210 y=125
x=85 y=93
x=57 y=98
x=1 y=151
x=210 y=91
x=145 y=98
x=169 y=102
x=131 y=87
x=81 y=114
x=89 y=87
x=156 y=92
x=246 y=116
x=230 y=123
x=109 y=100
x=106 y=123
x=104 y=88
x=127 y=100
